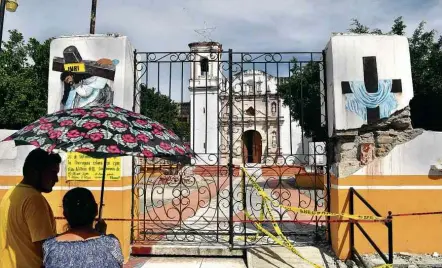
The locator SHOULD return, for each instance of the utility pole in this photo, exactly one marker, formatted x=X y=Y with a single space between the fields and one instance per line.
x=2 y=18
x=93 y=16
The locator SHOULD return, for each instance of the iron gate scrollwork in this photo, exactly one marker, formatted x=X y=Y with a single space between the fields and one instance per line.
x=231 y=105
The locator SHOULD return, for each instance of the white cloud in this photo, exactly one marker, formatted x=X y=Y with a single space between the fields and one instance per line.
x=246 y=25
x=243 y=25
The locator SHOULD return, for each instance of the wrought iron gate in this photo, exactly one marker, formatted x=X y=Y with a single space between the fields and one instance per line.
x=233 y=109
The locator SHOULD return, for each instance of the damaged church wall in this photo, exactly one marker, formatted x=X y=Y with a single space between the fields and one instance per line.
x=375 y=148
x=355 y=148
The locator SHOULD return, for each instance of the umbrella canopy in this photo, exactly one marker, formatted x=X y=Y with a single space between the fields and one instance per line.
x=101 y=132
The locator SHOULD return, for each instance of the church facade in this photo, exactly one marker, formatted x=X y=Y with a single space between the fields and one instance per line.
x=263 y=132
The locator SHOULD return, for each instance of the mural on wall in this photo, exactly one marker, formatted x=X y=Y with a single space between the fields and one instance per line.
x=84 y=73
x=371 y=99
x=84 y=82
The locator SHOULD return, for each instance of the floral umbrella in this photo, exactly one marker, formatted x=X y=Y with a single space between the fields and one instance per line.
x=102 y=132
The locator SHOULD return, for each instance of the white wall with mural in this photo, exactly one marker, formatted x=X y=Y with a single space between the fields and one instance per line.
x=88 y=70
x=369 y=78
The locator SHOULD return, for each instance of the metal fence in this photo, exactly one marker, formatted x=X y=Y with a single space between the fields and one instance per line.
x=264 y=112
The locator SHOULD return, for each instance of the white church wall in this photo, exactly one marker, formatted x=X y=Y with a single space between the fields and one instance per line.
x=204 y=125
x=294 y=145
x=12 y=157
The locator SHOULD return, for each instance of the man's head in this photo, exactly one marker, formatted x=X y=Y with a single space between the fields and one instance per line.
x=41 y=170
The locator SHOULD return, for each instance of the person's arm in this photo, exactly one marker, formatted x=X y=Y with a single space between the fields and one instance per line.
x=39 y=218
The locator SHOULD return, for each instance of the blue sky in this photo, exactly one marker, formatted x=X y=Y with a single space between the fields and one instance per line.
x=243 y=25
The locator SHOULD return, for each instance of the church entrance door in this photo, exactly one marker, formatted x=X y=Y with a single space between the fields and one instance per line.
x=252 y=146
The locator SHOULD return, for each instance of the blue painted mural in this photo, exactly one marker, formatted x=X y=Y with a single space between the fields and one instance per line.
x=360 y=100
x=373 y=98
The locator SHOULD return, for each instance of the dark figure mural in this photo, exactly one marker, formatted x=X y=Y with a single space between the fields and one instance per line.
x=85 y=82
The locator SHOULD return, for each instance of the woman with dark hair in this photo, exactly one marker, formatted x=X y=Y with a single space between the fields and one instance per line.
x=81 y=246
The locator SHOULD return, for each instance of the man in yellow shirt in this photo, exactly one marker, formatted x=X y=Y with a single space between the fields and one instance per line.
x=26 y=219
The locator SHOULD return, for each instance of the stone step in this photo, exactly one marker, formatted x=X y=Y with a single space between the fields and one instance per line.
x=185 y=250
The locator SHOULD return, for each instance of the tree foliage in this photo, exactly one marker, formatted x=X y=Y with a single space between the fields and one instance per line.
x=23 y=80
x=161 y=108
x=426 y=67
x=301 y=93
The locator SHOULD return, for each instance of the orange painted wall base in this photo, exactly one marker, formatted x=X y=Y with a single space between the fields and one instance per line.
x=399 y=194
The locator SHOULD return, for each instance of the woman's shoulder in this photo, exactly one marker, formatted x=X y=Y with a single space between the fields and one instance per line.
x=110 y=238
x=49 y=241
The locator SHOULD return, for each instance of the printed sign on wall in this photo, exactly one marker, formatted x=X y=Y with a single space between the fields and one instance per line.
x=84 y=168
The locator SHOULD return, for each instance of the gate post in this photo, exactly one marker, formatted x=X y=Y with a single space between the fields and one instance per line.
x=230 y=163
x=134 y=105
x=328 y=143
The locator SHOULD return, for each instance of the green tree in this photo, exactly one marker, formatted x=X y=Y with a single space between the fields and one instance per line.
x=426 y=67
x=398 y=26
x=357 y=27
x=301 y=93
x=161 y=108
x=24 y=70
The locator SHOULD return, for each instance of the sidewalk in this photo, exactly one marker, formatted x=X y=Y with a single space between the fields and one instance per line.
x=279 y=257
x=186 y=262
x=262 y=257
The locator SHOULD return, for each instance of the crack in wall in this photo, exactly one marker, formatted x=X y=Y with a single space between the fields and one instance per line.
x=356 y=148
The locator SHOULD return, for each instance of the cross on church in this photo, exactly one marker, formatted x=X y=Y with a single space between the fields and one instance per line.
x=371 y=86
x=205 y=32
x=72 y=62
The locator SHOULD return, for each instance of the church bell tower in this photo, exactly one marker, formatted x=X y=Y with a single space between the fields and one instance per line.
x=204 y=85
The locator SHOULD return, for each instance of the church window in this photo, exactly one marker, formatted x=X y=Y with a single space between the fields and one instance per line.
x=273 y=108
x=258 y=87
x=204 y=63
x=274 y=139
x=250 y=88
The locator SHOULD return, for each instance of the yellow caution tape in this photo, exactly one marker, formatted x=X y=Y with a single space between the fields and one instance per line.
x=307 y=211
x=282 y=242
x=281 y=239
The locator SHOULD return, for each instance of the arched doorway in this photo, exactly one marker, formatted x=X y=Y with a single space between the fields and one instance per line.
x=252 y=146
